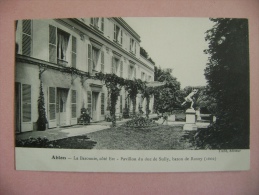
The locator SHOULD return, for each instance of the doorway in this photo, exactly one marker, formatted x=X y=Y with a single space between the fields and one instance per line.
x=95 y=96
x=62 y=106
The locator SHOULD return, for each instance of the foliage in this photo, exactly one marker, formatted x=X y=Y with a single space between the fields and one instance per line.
x=114 y=85
x=143 y=52
x=42 y=119
x=227 y=74
x=84 y=117
x=150 y=59
x=36 y=143
x=140 y=122
x=167 y=97
x=133 y=87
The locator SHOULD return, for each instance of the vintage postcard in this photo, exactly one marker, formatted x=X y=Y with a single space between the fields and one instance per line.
x=132 y=94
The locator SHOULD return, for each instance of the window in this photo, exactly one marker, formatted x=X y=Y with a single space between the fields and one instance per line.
x=132 y=45
x=142 y=76
x=115 y=65
x=95 y=57
x=58 y=45
x=118 y=34
x=149 y=78
x=26 y=37
x=102 y=103
x=73 y=104
x=62 y=44
x=98 y=23
x=132 y=72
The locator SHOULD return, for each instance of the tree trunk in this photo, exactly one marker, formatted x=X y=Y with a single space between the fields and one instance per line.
x=147 y=106
x=114 y=98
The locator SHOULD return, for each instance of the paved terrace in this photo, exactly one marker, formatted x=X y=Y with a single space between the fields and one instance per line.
x=65 y=132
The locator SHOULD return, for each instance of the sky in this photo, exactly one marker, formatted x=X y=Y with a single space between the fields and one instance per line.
x=176 y=43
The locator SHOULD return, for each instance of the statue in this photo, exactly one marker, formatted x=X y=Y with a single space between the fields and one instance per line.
x=189 y=98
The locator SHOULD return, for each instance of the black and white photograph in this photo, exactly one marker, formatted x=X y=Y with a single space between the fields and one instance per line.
x=152 y=91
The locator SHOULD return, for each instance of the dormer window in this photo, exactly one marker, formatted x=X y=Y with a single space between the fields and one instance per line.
x=98 y=23
x=118 y=34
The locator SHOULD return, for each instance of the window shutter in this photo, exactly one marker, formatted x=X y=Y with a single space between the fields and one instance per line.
x=112 y=66
x=92 y=21
x=129 y=69
x=120 y=103
x=135 y=73
x=102 y=61
x=130 y=44
x=52 y=103
x=26 y=37
x=26 y=103
x=52 y=44
x=102 y=103
x=121 y=69
x=73 y=104
x=73 y=51
x=89 y=102
x=114 y=33
x=135 y=48
x=121 y=36
x=102 y=24
x=89 y=58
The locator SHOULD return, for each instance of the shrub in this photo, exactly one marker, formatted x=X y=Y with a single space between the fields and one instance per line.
x=140 y=122
x=36 y=143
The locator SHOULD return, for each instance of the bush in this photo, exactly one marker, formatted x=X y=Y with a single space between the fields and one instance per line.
x=36 y=143
x=140 y=122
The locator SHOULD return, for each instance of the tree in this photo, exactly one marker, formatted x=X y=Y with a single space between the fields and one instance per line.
x=114 y=85
x=167 y=97
x=227 y=74
x=133 y=87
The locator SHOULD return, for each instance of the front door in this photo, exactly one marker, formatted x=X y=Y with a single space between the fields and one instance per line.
x=61 y=109
x=95 y=105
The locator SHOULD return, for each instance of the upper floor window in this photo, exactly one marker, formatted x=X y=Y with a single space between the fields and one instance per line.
x=27 y=37
x=143 y=76
x=132 y=45
x=149 y=78
x=98 y=23
x=118 y=34
x=132 y=72
x=95 y=56
x=62 y=44
x=115 y=65
x=58 y=47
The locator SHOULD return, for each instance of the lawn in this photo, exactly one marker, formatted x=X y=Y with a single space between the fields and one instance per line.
x=161 y=137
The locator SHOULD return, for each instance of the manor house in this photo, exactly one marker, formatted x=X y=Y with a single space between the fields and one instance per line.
x=46 y=49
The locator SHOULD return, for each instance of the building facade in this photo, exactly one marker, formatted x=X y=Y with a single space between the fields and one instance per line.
x=46 y=49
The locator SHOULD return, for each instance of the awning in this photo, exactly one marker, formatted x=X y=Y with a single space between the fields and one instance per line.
x=96 y=87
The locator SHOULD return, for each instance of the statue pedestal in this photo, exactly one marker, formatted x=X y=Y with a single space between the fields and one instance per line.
x=190 y=120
